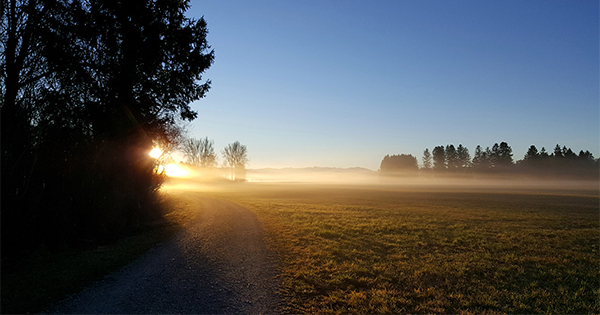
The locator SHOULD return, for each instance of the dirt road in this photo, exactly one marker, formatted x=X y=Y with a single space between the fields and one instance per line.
x=218 y=265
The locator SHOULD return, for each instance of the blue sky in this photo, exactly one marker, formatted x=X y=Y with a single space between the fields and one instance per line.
x=343 y=83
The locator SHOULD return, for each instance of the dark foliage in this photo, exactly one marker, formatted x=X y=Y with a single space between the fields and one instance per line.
x=563 y=162
x=439 y=158
x=456 y=159
x=399 y=164
x=451 y=157
x=88 y=87
x=426 y=159
x=463 y=157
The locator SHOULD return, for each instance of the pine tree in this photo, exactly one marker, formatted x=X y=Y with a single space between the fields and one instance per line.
x=426 y=159
x=464 y=158
x=451 y=157
x=439 y=158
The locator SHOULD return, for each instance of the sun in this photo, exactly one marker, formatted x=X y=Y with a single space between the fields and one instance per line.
x=155 y=153
x=175 y=170
x=170 y=169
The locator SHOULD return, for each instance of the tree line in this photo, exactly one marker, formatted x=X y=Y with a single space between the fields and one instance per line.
x=88 y=88
x=201 y=153
x=562 y=161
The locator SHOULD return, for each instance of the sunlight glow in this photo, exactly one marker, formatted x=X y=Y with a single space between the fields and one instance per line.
x=155 y=153
x=175 y=170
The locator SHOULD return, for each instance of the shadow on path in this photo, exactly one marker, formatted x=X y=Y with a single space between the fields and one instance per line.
x=220 y=264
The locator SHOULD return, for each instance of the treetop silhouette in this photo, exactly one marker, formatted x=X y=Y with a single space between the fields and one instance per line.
x=89 y=88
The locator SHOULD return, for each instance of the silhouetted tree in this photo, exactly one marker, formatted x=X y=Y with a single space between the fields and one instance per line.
x=558 y=153
x=544 y=158
x=439 y=158
x=490 y=158
x=569 y=154
x=398 y=164
x=236 y=157
x=562 y=163
x=586 y=156
x=532 y=154
x=478 y=158
x=463 y=157
x=88 y=87
x=587 y=162
x=451 y=157
x=426 y=159
x=493 y=155
x=501 y=155
x=200 y=152
x=532 y=158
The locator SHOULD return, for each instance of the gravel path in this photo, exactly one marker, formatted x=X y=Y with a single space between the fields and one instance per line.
x=218 y=265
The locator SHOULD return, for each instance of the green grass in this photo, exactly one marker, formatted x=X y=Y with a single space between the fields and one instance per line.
x=48 y=277
x=386 y=250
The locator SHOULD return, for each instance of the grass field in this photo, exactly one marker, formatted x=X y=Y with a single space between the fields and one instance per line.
x=386 y=249
x=381 y=248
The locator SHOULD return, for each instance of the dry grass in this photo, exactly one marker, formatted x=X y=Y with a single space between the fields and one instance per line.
x=385 y=250
x=381 y=249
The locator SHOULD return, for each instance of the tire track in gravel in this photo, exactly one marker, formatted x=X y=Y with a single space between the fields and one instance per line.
x=219 y=264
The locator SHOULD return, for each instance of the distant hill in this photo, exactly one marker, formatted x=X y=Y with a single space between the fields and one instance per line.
x=312 y=169
x=310 y=174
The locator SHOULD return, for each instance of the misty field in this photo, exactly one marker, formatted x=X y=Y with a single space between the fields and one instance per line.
x=383 y=249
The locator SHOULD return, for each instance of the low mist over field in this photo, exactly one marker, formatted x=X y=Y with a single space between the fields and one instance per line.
x=313 y=175
x=197 y=178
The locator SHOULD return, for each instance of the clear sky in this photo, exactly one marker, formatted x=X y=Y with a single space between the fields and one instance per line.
x=343 y=83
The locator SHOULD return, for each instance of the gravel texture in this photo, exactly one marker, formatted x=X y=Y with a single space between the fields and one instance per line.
x=220 y=264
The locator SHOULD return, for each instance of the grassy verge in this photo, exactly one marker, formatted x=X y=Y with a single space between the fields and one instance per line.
x=353 y=250
x=47 y=278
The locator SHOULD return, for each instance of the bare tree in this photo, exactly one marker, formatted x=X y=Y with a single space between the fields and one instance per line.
x=236 y=157
x=200 y=152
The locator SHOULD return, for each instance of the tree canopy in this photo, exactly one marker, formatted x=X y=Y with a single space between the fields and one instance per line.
x=88 y=87
x=562 y=162
x=426 y=159
x=397 y=164
x=499 y=159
